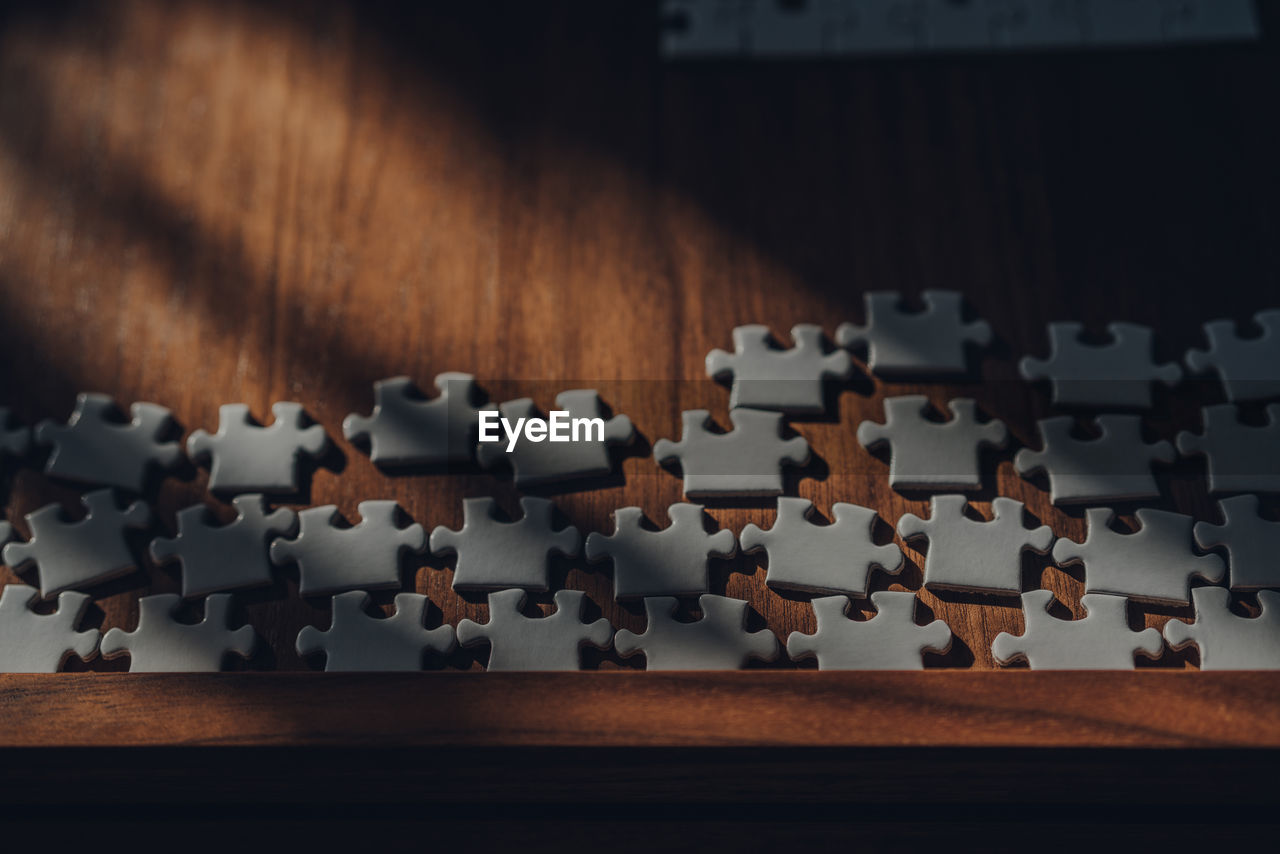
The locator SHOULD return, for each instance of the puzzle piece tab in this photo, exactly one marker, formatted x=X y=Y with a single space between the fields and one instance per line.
x=545 y=462
x=224 y=557
x=367 y=555
x=927 y=454
x=1101 y=641
x=747 y=460
x=1115 y=466
x=1242 y=458
x=835 y=558
x=249 y=458
x=494 y=555
x=890 y=640
x=902 y=344
x=1118 y=374
x=94 y=447
x=669 y=562
x=15 y=438
x=765 y=377
x=517 y=642
x=355 y=641
x=719 y=640
x=405 y=430
x=1249 y=367
x=160 y=644
x=1226 y=641
x=39 y=643
x=1253 y=543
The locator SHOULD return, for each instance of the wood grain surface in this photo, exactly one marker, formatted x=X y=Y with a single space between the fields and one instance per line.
x=204 y=203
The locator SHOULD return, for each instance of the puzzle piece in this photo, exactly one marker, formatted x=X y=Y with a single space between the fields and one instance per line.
x=1227 y=641
x=765 y=377
x=701 y=28
x=543 y=462
x=835 y=558
x=366 y=555
x=405 y=430
x=517 y=642
x=494 y=555
x=93 y=447
x=926 y=454
x=15 y=438
x=747 y=460
x=1248 y=367
x=38 y=643
x=224 y=557
x=1155 y=564
x=249 y=458
x=1101 y=641
x=1241 y=457
x=160 y=644
x=975 y=556
x=890 y=640
x=719 y=640
x=79 y=554
x=1115 y=466
x=1253 y=543
x=1118 y=374
x=902 y=344
x=355 y=641
x=651 y=563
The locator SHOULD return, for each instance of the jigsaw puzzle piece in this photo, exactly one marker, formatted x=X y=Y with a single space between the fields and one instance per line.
x=1252 y=543
x=719 y=640
x=41 y=643
x=494 y=555
x=247 y=457
x=95 y=447
x=1241 y=457
x=698 y=28
x=367 y=555
x=1115 y=466
x=1100 y=641
x=746 y=461
x=1118 y=374
x=766 y=377
x=160 y=644
x=405 y=430
x=902 y=344
x=891 y=640
x=670 y=562
x=928 y=454
x=15 y=437
x=1227 y=641
x=1248 y=367
x=216 y=557
x=356 y=641
x=517 y=642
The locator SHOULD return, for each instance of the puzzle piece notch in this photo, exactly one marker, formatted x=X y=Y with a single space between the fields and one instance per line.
x=928 y=454
x=15 y=437
x=1155 y=564
x=902 y=344
x=1100 y=641
x=356 y=641
x=891 y=640
x=671 y=562
x=1248 y=367
x=38 y=643
x=1225 y=640
x=495 y=555
x=83 y=553
x=975 y=556
x=1241 y=457
x=366 y=555
x=217 y=557
x=1118 y=374
x=160 y=644
x=93 y=447
x=1115 y=466
x=404 y=430
x=746 y=461
x=553 y=642
x=246 y=457
x=835 y=558
x=1252 y=543
x=719 y=640
x=766 y=377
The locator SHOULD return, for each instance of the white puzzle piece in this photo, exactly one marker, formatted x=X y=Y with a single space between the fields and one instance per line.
x=405 y=430
x=1115 y=466
x=545 y=462
x=746 y=461
x=670 y=562
x=975 y=556
x=1249 y=367
x=927 y=454
x=891 y=640
x=248 y=458
x=41 y=643
x=1225 y=640
x=160 y=644
x=1118 y=374
x=553 y=642
x=719 y=640
x=367 y=555
x=902 y=344
x=1253 y=543
x=1242 y=458
x=767 y=377
x=495 y=555
x=95 y=447
x=835 y=558
x=1100 y=641
x=356 y=641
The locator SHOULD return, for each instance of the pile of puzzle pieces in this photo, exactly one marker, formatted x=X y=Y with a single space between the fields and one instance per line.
x=1172 y=560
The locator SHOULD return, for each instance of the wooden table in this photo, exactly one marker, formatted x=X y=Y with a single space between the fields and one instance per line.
x=204 y=203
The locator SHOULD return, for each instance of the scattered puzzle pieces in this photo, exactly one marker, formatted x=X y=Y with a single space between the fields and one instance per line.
x=367 y=555
x=1242 y=458
x=890 y=640
x=544 y=462
x=1249 y=367
x=670 y=562
x=79 y=554
x=1118 y=374
x=975 y=556
x=405 y=430
x=835 y=558
x=356 y=641
x=1252 y=542
x=224 y=557
x=494 y=555
x=95 y=447
x=927 y=454
x=249 y=458
x=15 y=438
x=1227 y=641
x=719 y=640
x=1115 y=466
x=517 y=642
x=1101 y=641
x=902 y=344
x=160 y=644
x=1155 y=564
x=39 y=643
x=765 y=377
x=747 y=460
